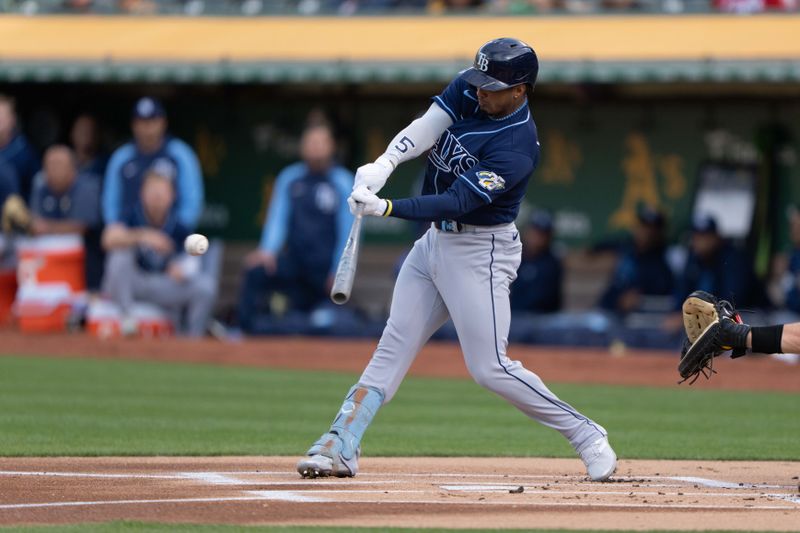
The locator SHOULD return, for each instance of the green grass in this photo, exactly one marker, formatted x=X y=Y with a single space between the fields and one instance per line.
x=116 y=407
x=125 y=527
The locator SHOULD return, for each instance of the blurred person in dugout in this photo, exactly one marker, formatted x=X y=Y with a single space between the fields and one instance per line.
x=743 y=7
x=716 y=266
x=642 y=279
x=15 y=150
x=538 y=286
x=303 y=236
x=84 y=137
x=14 y=214
x=350 y=7
x=145 y=261
x=523 y=7
x=130 y=162
x=9 y=184
x=65 y=201
x=791 y=279
x=454 y=6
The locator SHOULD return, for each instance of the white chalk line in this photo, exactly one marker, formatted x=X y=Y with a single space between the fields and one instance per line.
x=212 y=478
x=126 y=502
x=726 y=484
x=89 y=474
x=224 y=478
x=626 y=492
x=335 y=482
x=286 y=496
x=293 y=497
x=787 y=497
x=559 y=477
x=518 y=504
x=731 y=485
x=333 y=491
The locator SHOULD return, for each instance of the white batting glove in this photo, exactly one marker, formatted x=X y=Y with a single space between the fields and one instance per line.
x=373 y=176
x=372 y=204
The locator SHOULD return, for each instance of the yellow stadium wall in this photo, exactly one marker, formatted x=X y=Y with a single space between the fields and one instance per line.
x=93 y=38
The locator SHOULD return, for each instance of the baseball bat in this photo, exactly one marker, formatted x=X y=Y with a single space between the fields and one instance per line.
x=346 y=270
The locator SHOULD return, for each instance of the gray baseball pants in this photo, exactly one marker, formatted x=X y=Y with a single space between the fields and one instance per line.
x=466 y=276
x=125 y=283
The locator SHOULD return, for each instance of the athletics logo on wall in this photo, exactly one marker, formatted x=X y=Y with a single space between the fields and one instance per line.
x=490 y=181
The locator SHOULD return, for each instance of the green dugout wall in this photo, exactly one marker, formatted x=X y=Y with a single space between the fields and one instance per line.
x=605 y=148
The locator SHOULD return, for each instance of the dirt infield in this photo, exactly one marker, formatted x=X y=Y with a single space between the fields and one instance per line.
x=564 y=365
x=451 y=492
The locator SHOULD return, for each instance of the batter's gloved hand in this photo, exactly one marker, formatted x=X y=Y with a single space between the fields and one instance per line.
x=372 y=204
x=712 y=327
x=373 y=176
x=16 y=218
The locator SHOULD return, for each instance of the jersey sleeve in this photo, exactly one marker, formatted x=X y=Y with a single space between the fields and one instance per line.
x=190 y=183
x=458 y=100
x=273 y=234
x=481 y=185
x=112 y=195
x=497 y=173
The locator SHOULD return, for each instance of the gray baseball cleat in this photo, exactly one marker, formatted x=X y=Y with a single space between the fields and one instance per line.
x=315 y=466
x=600 y=459
x=325 y=458
x=318 y=465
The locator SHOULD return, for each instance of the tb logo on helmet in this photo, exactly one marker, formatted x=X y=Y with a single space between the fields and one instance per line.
x=482 y=62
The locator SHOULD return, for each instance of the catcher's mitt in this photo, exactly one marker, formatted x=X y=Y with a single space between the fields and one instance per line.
x=712 y=327
x=15 y=215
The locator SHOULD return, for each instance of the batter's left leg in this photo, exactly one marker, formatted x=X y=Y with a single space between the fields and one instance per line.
x=417 y=312
x=478 y=300
x=336 y=452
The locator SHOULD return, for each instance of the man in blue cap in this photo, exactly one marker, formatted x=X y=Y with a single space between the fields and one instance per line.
x=129 y=163
x=146 y=262
x=642 y=278
x=791 y=278
x=716 y=266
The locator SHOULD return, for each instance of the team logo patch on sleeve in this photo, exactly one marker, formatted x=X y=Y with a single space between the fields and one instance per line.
x=490 y=181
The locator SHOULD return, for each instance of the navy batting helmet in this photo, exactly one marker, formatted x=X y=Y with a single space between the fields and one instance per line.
x=503 y=63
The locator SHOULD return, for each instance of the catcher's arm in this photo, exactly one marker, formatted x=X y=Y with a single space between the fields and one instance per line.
x=790 y=338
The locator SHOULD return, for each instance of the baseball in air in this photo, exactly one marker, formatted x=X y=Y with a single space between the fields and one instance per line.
x=196 y=244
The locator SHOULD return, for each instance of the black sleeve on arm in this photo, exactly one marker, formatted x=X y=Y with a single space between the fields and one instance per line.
x=455 y=202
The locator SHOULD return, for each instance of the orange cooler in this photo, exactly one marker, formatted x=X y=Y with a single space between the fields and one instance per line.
x=152 y=322
x=104 y=320
x=43 y=308
x=52 y=258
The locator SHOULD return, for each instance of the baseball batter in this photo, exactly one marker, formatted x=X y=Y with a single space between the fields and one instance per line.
x=484 y=147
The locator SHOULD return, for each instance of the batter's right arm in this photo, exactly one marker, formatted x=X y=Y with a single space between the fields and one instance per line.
x=412 y=141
